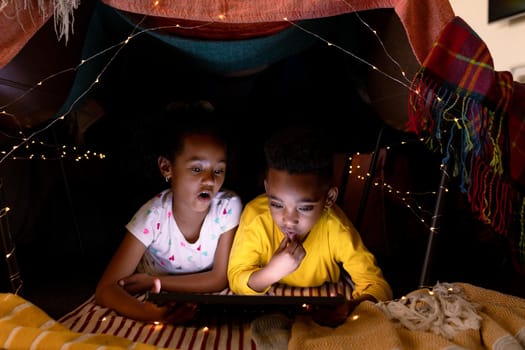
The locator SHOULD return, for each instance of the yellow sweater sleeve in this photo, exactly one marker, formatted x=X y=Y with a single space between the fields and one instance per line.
x=356 y=259
x=252 y=246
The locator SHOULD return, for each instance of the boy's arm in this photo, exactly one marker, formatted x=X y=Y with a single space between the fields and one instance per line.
x=247 y=271
x=350 y=252
x=285 y=260
x=244 y=260
x=251 y=250
x=362 y=267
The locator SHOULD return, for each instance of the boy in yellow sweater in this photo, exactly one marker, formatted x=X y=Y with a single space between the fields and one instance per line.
x=295 y=233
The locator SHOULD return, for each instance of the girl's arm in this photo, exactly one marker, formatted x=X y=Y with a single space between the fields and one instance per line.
x=111 y=293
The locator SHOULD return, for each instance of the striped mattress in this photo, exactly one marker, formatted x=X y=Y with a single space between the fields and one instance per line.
x=218 y=331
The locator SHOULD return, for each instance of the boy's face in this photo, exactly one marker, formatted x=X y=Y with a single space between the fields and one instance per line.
x=296 y=201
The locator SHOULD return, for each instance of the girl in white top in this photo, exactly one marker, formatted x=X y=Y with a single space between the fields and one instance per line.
x=168 y=250
x=180 y=240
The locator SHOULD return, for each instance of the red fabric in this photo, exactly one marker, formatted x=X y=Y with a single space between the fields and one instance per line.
x=422 y=19
x=208 y=30
x=18 y=23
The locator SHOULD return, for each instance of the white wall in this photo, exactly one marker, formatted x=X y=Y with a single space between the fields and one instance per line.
x=505 y=39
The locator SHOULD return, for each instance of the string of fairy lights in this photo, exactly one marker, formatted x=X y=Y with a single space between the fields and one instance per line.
x=53 y=152
x=26 y=145
x=407 y=198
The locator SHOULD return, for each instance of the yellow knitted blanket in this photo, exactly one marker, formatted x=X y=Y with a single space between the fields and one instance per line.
x=501 y=326
x=25 y=326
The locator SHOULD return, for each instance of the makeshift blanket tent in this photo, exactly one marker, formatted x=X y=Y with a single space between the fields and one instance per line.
x=423 y=20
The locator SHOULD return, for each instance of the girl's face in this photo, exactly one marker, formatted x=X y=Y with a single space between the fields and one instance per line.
x=197 y=172
x=297 y=201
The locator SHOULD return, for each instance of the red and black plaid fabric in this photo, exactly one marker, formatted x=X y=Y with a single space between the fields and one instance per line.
x=474 y=116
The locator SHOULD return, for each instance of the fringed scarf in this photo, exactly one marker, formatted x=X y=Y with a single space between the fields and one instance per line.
x=461 y=106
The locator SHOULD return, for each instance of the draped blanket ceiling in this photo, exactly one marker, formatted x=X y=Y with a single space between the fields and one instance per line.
x=422 y=19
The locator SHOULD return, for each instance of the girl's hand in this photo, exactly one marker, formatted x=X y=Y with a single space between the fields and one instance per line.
x=138 y=283
x=175 y=314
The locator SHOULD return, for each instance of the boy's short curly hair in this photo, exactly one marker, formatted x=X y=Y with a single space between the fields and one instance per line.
x=300 y=150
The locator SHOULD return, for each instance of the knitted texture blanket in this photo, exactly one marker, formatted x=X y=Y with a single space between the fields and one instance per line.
x=501 y=326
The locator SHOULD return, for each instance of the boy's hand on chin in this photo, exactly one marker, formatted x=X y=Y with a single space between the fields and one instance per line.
x=287 y=257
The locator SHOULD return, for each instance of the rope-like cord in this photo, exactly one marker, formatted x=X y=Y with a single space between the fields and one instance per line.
x=63 y=16
x=442 y=310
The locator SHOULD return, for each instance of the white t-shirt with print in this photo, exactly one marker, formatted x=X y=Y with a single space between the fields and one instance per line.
x=167 y=251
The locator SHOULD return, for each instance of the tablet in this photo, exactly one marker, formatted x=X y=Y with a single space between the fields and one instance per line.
x=163 y=298
x=212 y=307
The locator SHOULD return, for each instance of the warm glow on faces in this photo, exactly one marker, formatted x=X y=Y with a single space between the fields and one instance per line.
x=198 y=172
x=296 y=201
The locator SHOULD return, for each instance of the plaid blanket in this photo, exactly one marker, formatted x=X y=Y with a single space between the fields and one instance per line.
x=473 y=115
